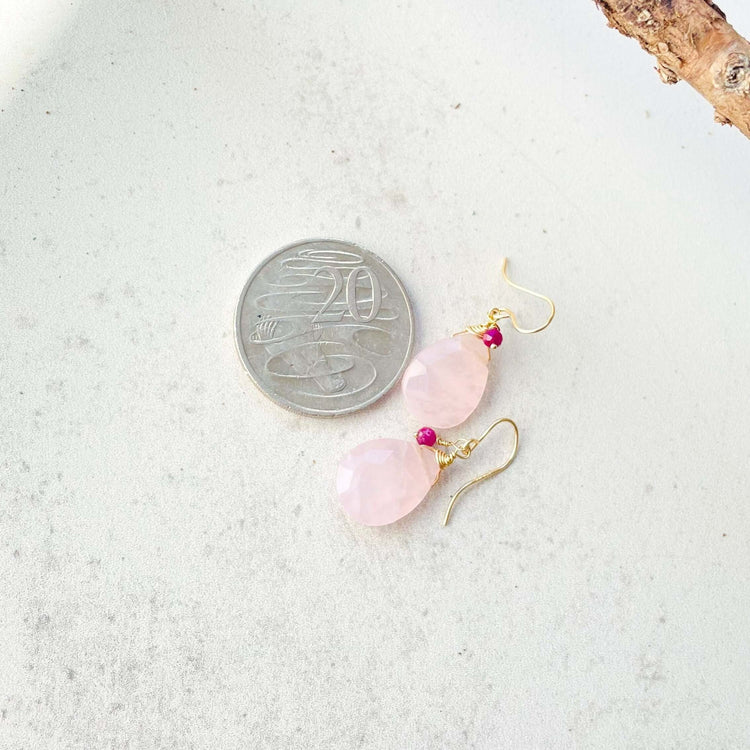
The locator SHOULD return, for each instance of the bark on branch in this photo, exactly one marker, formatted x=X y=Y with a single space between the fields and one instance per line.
x=692 y=41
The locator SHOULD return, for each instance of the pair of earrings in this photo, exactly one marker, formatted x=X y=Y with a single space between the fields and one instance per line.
x=382 y=480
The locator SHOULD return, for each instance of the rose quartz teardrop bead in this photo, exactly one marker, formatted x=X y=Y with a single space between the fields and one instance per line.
x=445 y=382
x=382 y=480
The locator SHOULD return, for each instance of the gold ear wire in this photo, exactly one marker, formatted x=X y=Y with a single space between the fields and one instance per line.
x=463 y=449
x=503 y=312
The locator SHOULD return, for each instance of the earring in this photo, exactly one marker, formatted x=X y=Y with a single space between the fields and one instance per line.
x=380 y=481
x=444 y=383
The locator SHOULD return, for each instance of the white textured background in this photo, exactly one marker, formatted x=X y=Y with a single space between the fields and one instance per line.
x=175 y=570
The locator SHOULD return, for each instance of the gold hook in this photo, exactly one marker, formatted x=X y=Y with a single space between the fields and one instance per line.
x=463 y=449
x=501 y=313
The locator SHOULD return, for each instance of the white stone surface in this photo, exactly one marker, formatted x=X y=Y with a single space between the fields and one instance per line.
x=176 y=570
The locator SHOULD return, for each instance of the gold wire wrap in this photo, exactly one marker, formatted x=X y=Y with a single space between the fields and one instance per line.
x=458 y=449
x=444 y=459
x=502 y=313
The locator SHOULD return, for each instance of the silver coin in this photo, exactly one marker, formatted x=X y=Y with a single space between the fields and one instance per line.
x=324 y=327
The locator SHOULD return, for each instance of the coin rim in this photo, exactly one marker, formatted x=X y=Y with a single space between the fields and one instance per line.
x=285 y=403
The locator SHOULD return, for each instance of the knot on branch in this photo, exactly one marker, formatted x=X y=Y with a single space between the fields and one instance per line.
x=736 y=74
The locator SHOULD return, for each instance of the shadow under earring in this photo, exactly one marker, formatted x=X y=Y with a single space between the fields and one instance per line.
x=444 y=383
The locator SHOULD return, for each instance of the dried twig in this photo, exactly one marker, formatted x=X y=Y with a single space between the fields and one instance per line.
x=692 y=41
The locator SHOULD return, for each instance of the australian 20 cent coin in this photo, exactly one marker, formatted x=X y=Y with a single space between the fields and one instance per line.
x=324 y=327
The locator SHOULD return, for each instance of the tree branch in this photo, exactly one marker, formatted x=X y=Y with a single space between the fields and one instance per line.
x=692 y=41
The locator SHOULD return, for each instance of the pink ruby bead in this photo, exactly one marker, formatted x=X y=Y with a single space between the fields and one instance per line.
x=492 y=338
x=445 y=382
x=382 y=480
x=426 y=436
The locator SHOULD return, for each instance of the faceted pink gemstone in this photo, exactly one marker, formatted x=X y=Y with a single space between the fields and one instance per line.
x=445 y=382
x=426 y=436
x=492 y=338
x=382 y=480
